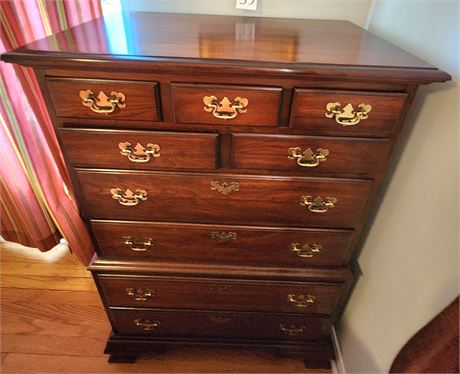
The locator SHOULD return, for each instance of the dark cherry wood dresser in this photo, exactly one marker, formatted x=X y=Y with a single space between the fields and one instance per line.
x=226 y=168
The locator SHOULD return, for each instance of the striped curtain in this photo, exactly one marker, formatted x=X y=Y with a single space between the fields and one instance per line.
x=37 y=204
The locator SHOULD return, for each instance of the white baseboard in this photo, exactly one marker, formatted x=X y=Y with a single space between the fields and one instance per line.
x=337 y=366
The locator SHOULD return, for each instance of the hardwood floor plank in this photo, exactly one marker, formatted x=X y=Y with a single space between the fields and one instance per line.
x=181 y=361
x=48 y=282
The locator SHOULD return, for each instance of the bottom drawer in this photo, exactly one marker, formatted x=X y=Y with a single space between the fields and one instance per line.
x=188 y=324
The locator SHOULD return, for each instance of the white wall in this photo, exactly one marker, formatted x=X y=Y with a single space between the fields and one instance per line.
x=410 y=259
x=355 y=11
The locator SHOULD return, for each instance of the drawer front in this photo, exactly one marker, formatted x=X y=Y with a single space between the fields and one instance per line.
x=188 y=324
x=139 y=149
x=213 y=294
x=320 y=156
x=226 y=105
x=219 y=244
x=105 y=99
x=224 y=198
x=311 y=106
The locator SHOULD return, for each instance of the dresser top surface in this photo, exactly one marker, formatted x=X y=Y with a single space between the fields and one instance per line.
x=160 y=37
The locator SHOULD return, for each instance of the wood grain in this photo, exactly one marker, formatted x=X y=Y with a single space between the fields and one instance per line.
x=64 y=330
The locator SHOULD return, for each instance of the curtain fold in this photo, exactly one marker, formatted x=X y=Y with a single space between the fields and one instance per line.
x=37 y=204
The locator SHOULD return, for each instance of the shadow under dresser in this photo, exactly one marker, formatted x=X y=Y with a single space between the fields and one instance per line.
x=226 y=177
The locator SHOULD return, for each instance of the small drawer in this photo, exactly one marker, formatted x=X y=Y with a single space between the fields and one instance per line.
x=224 y=198
x=219 y=244
x=148 y=150
x=222 y=325
x=105 y=99
x=211 y=294
x=226 y=105
x=347 y=113
x=315 y=156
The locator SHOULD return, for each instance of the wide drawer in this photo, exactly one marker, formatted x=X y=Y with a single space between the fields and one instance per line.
x=224 y=198
x=219 y=244
x=224 y=325
x=323 y=156
x=341 y=113
x=139 y=149
x=105 y=99
x=225 y=105
x=218 y=294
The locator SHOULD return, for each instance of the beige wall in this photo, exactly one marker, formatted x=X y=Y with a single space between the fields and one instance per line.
x=410 y=259
x=355 y=11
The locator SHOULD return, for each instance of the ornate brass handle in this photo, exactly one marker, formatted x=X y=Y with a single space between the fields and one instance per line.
x=308 y=158
x=138 y=245
x=225 y=109
x=347 y=116
x=225 y=188
x=139 y=153
x=140 y=294
x=318 y=205
x=102 y=103
x=306 y=250
x=219 y=319
x=146 y=324
x=128 y=198
x=301 y=301
x=291 y=330
x=223 y=237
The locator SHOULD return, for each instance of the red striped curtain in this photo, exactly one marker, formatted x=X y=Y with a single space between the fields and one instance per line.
x=37 y=204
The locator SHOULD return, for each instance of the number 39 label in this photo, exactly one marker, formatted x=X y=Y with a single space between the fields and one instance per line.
x=246 y=4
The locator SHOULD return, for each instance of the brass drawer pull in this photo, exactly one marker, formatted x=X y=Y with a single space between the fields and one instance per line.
x=301 y=301
x=223 y=237
x=291 y=330
x=347 y=116
x=306 y=250
x=102 y=103
x=219 y=319
x=128 y=198
x=225 y=188
x=308 y=158
x=318 y=205
x=225 y=109
x=139 y=153
x=146 y=324
x=140 y=294
x=138 y=245
x=220 y=287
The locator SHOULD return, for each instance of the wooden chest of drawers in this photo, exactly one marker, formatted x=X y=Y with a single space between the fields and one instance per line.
x=226 y=182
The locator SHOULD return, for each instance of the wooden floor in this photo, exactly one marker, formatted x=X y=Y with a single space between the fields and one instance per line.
x=52 y=321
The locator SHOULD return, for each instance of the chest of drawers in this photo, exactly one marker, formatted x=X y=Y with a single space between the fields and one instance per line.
x=226 y=179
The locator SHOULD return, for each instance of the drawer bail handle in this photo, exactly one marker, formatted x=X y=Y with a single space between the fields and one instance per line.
x=223 y=237
x=291 y=330
x=146 y=324
x=225 y=188
x=347 y=116
x=128 y=198
x=301 y=301
x=308 y=158
x=306 y=250
x=140 y=294
x=139 y=153
x=102 y=103
x=225 y=109
x=138 y=245
x=318 y=205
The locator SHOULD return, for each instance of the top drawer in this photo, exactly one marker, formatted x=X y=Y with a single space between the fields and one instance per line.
x=104 y=99
x=226 y=105
x=347 y=113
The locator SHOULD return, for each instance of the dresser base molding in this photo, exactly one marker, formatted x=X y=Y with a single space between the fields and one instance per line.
x=125 y=349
